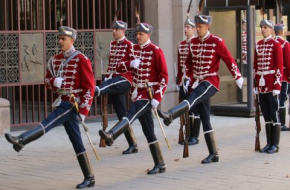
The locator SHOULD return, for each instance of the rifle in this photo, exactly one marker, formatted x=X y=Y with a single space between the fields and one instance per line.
x=104 y=109
x=187 y=126
x=181 y=135
x=258 y=123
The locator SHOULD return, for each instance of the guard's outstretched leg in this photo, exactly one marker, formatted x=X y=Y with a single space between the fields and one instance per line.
x=133 y=148
x=158 y=159
x=87 y=170
x=25 y=138
x=268 y=128
x=212 y=148
x=115 y=132
x=174 y=112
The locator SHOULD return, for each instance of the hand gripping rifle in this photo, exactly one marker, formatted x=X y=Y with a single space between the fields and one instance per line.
x=258 y=123
x=149 y=90
x=75 y=104
x=104 y=109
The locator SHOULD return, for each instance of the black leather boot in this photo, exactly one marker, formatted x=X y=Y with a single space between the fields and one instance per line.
x=194 y=130
x=268 y=128
x=115 y=132
x=24 y=138
x=87 y=170
x=133 y=148
x=282 y=114
x=275 y=139
x=212 y=148
x=174 y=112
x=158 y=159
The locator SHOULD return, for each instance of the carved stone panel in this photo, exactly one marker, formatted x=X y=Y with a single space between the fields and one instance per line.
x=103 y=40
x=32 y=63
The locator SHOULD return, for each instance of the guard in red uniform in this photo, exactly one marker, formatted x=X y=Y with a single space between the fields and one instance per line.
x=268 y=72
x=286 y=74
x=182 y=83
x=117 y=84
x=68 y=73
x=148 y=64
x=203 y=62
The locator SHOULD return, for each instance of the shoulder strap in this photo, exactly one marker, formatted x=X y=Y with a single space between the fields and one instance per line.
x=70 y=58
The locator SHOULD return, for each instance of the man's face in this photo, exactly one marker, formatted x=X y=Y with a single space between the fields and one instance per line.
x=65 y=43
x=188 y=30
x=118 y=33
x=266 y=31
x=142 y=37
x=202 y=29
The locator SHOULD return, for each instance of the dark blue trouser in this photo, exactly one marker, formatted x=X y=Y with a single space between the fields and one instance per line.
x=200 y=98
x=284 y=93
x=141 y=110
x=67 y=115
x=269 y=107
x=116 y=87
x=184 y=96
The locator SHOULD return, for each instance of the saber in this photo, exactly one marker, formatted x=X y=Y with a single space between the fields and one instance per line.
x=75 y=104
x=156 y=114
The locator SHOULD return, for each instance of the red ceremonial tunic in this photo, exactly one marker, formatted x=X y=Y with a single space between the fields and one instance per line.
x=78 y=79
x=286 y=58
x=204 y=59
x=119 y=50
x=182 y=53
x=152 y=68
x=268 y=65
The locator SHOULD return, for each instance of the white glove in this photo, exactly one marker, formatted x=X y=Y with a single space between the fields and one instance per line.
x=178 y=87
x=239 y=82
x=185 y=86
x=135 y=63
x=276 y=92
x=255 y=91
x=154 y=103
x=57 y=82
x=82 y=117
x=106 y=78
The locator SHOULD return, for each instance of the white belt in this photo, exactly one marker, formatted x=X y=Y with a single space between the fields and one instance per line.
x=205 y=75
x=266 y=72
x=68 y=91
x=143 y=85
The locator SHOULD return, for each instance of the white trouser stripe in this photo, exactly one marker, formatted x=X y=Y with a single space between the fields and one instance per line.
x=61 y=115
x=113 y=84
x=208 y=131
x=81 y=153
x=139 y=112
x=200 y=95
x=153 y=142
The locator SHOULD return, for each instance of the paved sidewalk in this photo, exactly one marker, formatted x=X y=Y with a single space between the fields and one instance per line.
x=50 y=163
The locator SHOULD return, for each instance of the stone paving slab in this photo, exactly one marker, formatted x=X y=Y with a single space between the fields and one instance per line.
x=50 y=163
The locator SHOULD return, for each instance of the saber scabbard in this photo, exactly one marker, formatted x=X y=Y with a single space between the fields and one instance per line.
x=86 y=129
x=157 y=116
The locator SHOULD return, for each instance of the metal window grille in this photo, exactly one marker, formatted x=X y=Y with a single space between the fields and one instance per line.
x=31 y=101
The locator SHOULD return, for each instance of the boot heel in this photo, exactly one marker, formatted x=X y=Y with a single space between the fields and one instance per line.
x=92 y=184
x=216 y=159
x=162 y=170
